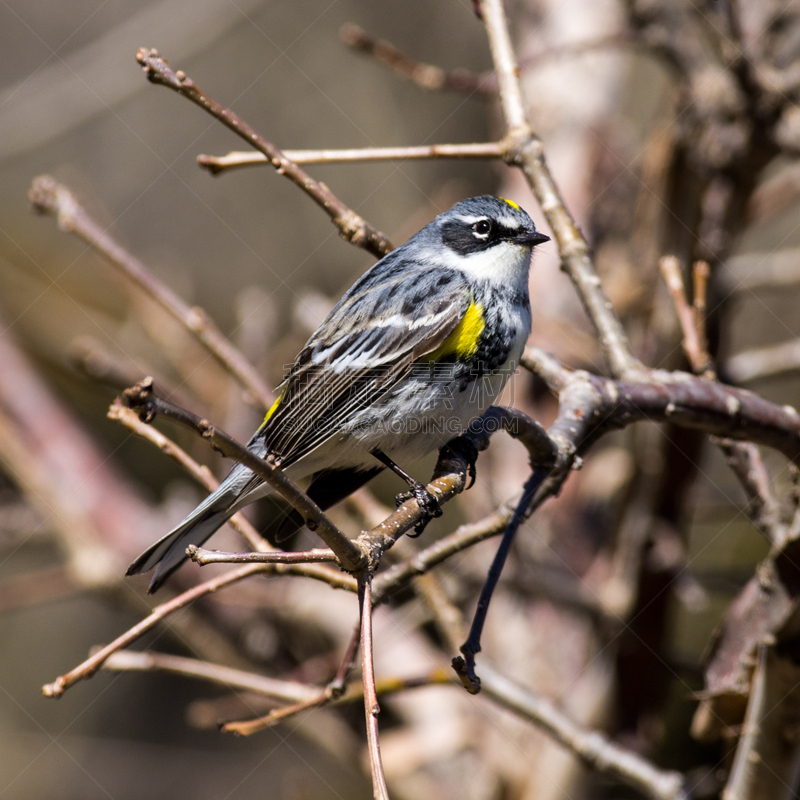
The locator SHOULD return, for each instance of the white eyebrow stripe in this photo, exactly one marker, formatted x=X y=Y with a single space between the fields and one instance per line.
x=508 y=222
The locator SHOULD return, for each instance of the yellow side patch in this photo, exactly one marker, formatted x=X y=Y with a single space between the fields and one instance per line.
x=463 y=341
x=273 y=408
x=511 y=203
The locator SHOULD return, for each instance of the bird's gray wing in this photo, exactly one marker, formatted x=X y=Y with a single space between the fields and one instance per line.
x=359 y=353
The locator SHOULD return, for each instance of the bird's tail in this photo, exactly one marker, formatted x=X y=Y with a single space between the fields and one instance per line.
x=169 y=552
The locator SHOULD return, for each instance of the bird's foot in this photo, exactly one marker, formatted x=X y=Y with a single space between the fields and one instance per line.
x=428 y=503
x=465 y=452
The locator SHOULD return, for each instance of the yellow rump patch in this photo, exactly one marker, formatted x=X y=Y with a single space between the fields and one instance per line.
x=273 y=408
x=463 y=341
x=511 y=203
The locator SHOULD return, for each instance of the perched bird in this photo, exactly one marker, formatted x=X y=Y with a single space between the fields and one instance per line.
x=419 y=347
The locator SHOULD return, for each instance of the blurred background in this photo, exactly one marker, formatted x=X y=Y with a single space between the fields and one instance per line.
x=651 y=160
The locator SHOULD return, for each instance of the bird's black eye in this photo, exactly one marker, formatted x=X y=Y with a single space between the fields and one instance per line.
x=482 y=227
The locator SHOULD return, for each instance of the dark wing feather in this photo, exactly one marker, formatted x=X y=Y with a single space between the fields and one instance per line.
x=359 y=353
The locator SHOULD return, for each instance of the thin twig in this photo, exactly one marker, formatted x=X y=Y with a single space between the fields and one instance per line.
x=371 y=707
x=321 y=697
x=202 y=556
x=694 y=346
x=351 y=226
x=426 y=76
x=97 y=659
x=49 y=196
x=701 y=272
x=38 y=586
x=240 y=158
x=148 y=661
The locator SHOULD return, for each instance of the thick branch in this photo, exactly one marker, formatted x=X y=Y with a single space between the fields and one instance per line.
x=351 y=226
x=677 y=397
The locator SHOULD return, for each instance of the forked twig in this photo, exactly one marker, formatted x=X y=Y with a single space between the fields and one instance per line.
x=316 y=699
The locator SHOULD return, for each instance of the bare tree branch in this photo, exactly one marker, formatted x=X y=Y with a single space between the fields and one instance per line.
x=525 y=150
x=142 y=399
x=427 y=76
x=371 y=707
x=238 y=158
x=351 y=226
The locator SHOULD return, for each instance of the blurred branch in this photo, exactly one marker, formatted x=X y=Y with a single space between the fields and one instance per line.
x=50 y=197
x=763 y=509
x=594 y=749
x=426 y=76
x=767 y=761
x=351 y=226
x=97 y=659
x=773 y=270
x=288 y=691
x=742 y=457
x=48 y=455
x=238 y=158
x=764 y=362
x=38 y=586
x=434 y=78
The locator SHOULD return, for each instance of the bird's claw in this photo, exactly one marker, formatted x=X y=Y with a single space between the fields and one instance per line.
x=428 y=504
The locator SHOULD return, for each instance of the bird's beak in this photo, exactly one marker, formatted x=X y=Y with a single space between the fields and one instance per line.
x=531 y=239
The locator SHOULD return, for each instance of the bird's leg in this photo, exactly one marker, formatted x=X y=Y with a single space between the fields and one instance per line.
x=464 y=450
x=427 y=502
